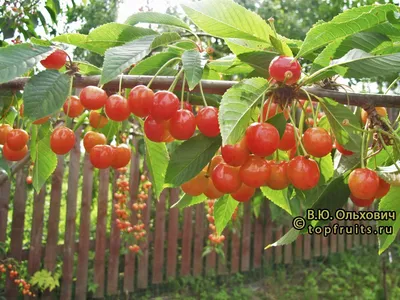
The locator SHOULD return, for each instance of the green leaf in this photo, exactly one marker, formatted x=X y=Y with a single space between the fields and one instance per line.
x=226 y=19
x=165 y=39
x=151 y=64
x=111 y=130
x=288 y=238
x=344 y=163
x=278 y=197
x=229 y=65
x=239 y=46
x=326 y=167
x=389 y=203
x=236 y=107
x=259 y=60
x=45 y=94
x=279 y=122
x=87 y=68
x=156 y=18
x=193 y=65
x=223 y=211
x=3 y=164
x=17 y=59
x=345 y=24
x=187 y=200
x=118 y=59
x=104 y=37
x=336 y=113
x=11 y=115
x=256 y=204
x=190 y=158
x=280 y=46
x=45 y=162
x=40 y=42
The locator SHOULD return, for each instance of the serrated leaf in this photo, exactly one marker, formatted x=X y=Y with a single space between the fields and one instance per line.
x=164 y=39
x=343 y=163
x=17 y=59
x=187 y=200
x=156 y=18
x=87 y=68
x=236 y=106
x=288 y=238
x=278 y=197
x=280 y=46
x=326 y=168
x=152 y=63
x=118 y=59
x=45 y=94
x=104 y=37
x=345 y=24
x=230 y=65
x=193 y=65
x=239 y=46
x=279 y=122
x=259 y=60
x=226 y=19
x=324 y=123
x=336 y=113
x=389 y=203
x=40 y=42
x=189 y=158
x=223 y=211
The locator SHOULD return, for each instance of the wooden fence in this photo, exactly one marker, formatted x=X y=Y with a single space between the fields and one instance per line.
x=174 y=246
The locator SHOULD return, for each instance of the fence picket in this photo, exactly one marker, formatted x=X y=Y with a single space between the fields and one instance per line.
x=186 y=241
x=246 y=238
x=4 y=206
x=258 y=241
x=172 y=236
x=198 y=240
x=159 y=238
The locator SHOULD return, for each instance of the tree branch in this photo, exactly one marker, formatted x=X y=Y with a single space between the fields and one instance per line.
x=218 y=87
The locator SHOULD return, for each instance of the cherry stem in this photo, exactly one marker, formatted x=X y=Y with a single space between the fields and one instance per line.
x=262 y=109
x=120 y=84
x=312 y=107
x=297 y=135
x=387 y=151
x=173 y=85
x=202 y=93
x=161 y=69
x=69 y=102
x=363 y=143
x=183 y=90
x=391 y=85
x=268 y=109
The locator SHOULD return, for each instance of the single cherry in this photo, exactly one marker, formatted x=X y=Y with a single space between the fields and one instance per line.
x=97 y=120
x=62 y=140
x=164 y=106
x=262 y=139
x=141 y=100
x=363 y=183
x=156 y=132
x=182 y=125
x=255 y=172
x=244 y=193
x=235 y=155
x=101 y=156
x=288 y=140
x=73 y=107
x=216 y=160
x=278 y=179
x=55 y=60
x=29 y=179
x=117 y=108
x=274 y=109
x=211 y=191
x=285 y=69
x=92 y=139
x=4 y=130
x=197 y=185
x=317 y=142
x=303 y=172
x=383 y=189
x=361 y=202
x=12 y=155
x=226 y=178
x=380 y=110
x=93 y=97
x=121 y=156
x=17 y=139
x=341 y=149
x=207 y=121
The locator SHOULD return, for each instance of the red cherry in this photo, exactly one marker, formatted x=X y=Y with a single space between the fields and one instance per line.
x=101 y=156
x=226 y=178
x=164 y=106
x=310 y=122
x=217 y=159
x=262 y=139
x=29 y=180
x=292 y=152
x=303 y=172
x=274 y=109
x=288 y=140
x=182 y=125
x=4 y=130
x=187 y=105
x=156 y=132
x=92 y=139
x=244 y=193
x=361 y=202
x=235 y=155
x=56 y=60
x=211 y=191
x=285 y=69
x=121 y=156
x=255 y=171
x=383 y=189
x=363 y=183
x=141 y=100
x=278 y=179
x=17 y=139
x=93 y=97
x=207 y=121
x=117 y=108
x=73 y=107
x=342 y=150
x=41 y=120
x=197 y=185
x=62 y=140
x=317 y=142
x=12 y=155
x=97 y=120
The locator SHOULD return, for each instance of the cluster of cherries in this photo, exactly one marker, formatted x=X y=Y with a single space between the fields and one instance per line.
x=213 y=237
x=15 y=277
